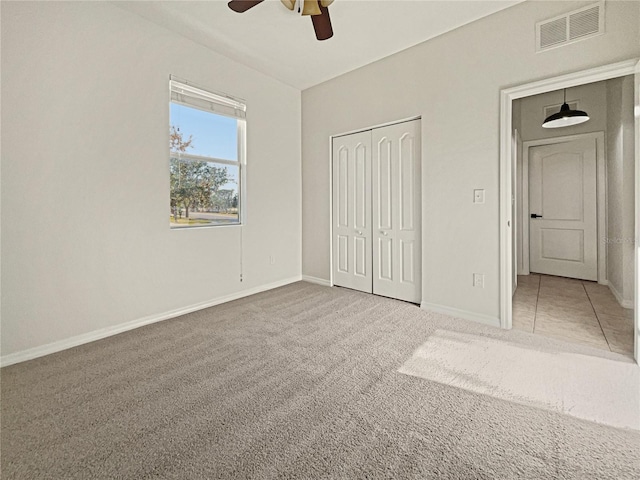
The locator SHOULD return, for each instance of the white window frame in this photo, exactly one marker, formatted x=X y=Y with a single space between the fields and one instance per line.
x=186 y=93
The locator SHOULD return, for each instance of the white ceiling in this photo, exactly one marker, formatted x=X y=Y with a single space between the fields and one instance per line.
x=279 y=43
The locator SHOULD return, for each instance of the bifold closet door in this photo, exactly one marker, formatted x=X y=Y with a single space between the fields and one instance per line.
x=376 y=211
x=352 y=253
x=397 y=255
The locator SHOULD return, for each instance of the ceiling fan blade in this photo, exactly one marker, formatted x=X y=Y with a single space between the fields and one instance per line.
x=322 y=24
x=241 y=6
x=289 y=4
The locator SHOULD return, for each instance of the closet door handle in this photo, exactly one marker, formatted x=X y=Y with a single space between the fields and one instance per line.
x=384 y=233
x=359 y=232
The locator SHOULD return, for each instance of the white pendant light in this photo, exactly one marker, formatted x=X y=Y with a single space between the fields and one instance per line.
x=565 y=117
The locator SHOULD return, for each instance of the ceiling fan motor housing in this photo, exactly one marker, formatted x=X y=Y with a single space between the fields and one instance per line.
x=306 y=7
x=316 y=9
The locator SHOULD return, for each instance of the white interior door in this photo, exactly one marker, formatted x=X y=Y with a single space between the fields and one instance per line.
x=352 y=254
x=563 y=210
x=396 y=211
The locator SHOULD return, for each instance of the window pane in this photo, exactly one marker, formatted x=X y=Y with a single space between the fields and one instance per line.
x=212 y=135
x=203 y=193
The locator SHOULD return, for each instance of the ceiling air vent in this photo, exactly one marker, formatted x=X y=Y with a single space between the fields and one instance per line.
x=553 y=33
x=571 y=27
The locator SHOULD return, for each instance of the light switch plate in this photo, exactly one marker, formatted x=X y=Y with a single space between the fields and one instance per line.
x=478 y=195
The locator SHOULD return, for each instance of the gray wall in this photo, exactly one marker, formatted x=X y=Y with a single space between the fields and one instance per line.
x=86 y=244
x=453 y=82
x=620 y=187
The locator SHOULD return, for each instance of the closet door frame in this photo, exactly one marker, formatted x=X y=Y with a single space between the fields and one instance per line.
x=330 y=178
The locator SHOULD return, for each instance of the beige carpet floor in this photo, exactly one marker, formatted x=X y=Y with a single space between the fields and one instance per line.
x=299 y=382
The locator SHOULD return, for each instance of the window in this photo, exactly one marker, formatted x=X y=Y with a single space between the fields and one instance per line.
x=206 y=157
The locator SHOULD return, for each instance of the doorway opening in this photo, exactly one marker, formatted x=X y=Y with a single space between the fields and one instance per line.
x=569 y=250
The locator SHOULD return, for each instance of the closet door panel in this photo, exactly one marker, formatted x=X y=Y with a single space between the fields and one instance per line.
x=384 y=213
x=397 y=211
x=352 y=249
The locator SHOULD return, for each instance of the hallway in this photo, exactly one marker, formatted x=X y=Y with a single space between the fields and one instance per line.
x=573 y=310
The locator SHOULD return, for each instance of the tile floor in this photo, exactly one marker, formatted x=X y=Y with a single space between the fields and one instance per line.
x=573 y=310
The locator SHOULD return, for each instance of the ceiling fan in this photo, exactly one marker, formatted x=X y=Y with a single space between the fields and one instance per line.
x=317 y=9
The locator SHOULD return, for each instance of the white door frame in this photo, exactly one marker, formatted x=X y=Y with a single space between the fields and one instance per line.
x=516 y=147
x=331 y=137
x=601 y=192
x=507 y=96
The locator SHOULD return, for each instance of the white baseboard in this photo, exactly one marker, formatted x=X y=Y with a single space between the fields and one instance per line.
x=316 y=280
x=624 y=303
x=60 y=345
x=464 y=314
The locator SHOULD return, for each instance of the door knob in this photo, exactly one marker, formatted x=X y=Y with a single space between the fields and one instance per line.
x=384 y=233
x=535 y=215
x=359 y=232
